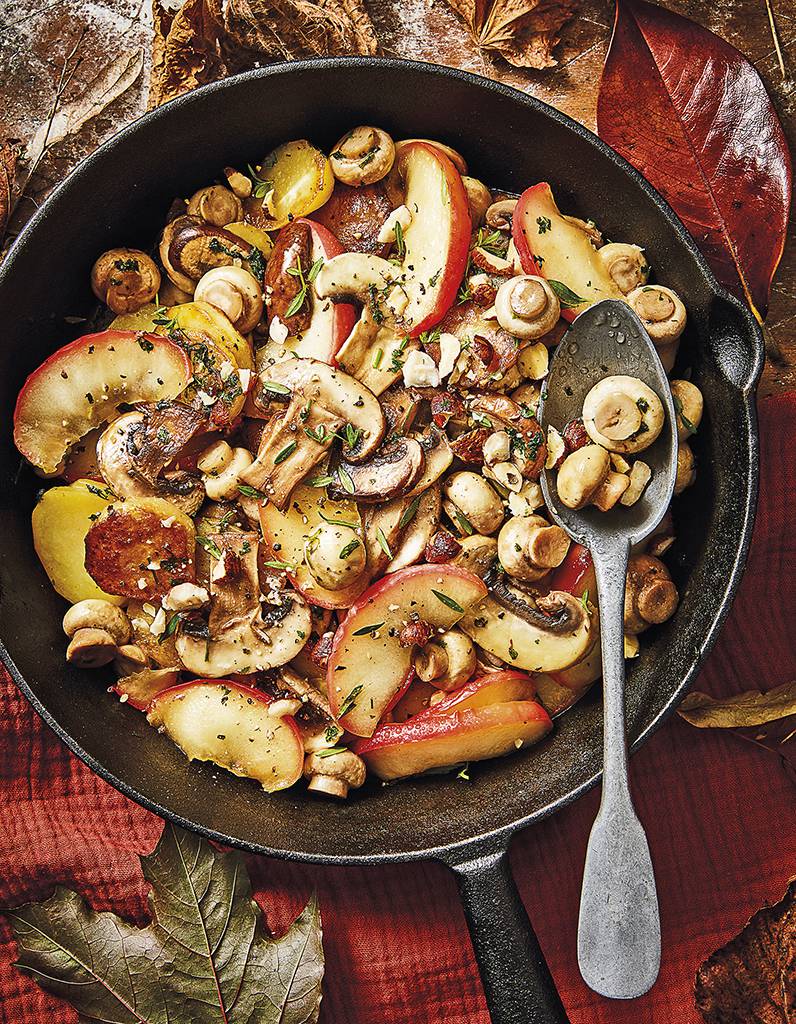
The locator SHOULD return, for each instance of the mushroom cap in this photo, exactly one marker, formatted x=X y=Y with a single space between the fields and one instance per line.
x=581 y=474
x=689 y=405
x=459 y=659
x=217 y=205
x=623 y=414
x=686 y=468
x=362 y=156
x=660 y=310
x=94 y=613
x=475 y=498
x=235 y=292
x=526 y=306
x=650 y=594
x=91 y=648
x=125 y=279
x=335 y=555
x=626 y=264
x=479 y=199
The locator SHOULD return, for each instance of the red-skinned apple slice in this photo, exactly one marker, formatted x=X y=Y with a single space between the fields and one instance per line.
x=330 y=322
x=82 y=384
x=285 y=534
x=429 y=741
x=368 y=666
x=231 y=725
x=550 y=246
x=575 y=575
x=493 y=688
x=437 y=239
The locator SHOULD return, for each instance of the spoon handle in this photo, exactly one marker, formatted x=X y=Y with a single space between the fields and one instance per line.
x=619 y=938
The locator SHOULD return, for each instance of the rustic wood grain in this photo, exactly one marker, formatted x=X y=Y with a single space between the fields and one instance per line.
x=35 y=38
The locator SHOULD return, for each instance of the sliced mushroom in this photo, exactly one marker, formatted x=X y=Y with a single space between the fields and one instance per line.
x=355 y=275
x=125 y=279
x=623 y=414
x=528 y=445
x=499 y=214
x=216 y=205
x=236 y=293
x=527 y=306
x=382 y=526
x=660 y=310
x=537 y=634
x=242 y=635
x=363 y=156
x=222 y=467
x=391 y=472
x=650 y=595
x=611 y=490
x=438 y=457
x=625 y=264
x=190 y=247
x=133 y=451
x=420 y=529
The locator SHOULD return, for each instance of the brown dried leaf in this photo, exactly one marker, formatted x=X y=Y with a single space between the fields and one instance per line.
x=741 y=710
x=524 y=32
x=752 y=980
x=9 y=155
x=184 y=51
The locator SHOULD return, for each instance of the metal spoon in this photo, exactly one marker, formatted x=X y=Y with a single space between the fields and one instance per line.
x=619 y=935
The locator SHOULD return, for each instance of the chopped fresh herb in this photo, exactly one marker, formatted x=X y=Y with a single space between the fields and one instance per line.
x=678 y=408
x=585 y=600
x=350 y=702
x=364 y=630
x=492 y=242
x=209 y=545
x=377 y=358
x=321 y=481
x=304 y=284
x=545 y=224
x=447 y=601
x=567 y=298
x=305 y=411
x=331 y=750
x=274 y=563
x=400 y=244
x=273 y=388
x=643 y=404
x=434 y=278
x=337 y=522
x=331 y=734
x=252 y=492
x=481 y=420
x=409 y=513
x=464 y=523
x=317 y=434
x=385 y=547
x=286 y=452
x=464 y=773
x=351 y=434
x=512 y=652
x=101 y=492
x=373 y=303
x=260 y=186
x=130 y=264
x=352 y=545
x=345 y=480
x=171 y=627
x=145 y=343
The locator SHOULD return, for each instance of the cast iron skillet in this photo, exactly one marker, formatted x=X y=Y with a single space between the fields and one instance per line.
x=118 y=196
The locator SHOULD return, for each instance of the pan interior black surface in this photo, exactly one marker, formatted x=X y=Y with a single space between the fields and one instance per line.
x=120 y=196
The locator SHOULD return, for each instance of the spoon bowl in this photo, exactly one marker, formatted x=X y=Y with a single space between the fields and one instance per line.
x=619 y=935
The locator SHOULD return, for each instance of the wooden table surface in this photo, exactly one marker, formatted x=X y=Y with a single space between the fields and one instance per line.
x=36 y=37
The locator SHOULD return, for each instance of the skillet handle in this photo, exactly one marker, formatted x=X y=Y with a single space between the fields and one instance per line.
x=736 y=342
x=517 y=981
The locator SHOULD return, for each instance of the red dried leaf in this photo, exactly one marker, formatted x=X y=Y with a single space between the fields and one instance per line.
x=692 y=114
x=752 y=980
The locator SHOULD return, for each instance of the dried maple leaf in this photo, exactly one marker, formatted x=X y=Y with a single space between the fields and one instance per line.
x=204 y=957
x=741 y=710
x=525 y=32
x=184 y=51
x=752 y=980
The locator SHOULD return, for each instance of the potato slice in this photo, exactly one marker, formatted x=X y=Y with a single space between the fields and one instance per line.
x=61 y=520
x=298 y=179
x=230 y=724
x=141 y=548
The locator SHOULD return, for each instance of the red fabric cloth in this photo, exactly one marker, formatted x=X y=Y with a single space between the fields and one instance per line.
x=719 y=813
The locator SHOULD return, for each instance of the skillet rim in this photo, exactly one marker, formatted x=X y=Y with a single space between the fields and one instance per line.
x=498 y=838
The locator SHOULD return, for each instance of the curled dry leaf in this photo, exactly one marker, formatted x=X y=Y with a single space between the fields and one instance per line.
x=9 y=155
x=741 y=710
x=692 y=114
x=752 y=980
x=203 y=958
x=209 y=39
x=524 y=32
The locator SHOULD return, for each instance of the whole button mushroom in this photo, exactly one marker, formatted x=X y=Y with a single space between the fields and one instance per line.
x=217 y=205
x=529 y=547
x=527 y=306
x=581 y=475
x=335 y=556
x=625 y=264
x=686 y=468
x=96 y=629
x=661 y=312
x=363 y=156
x=125 y=279
x=623 y=414
x=479 y=199
x=235 y=292
x=650 y=595
x=334 y=774
x=447 y=661
x=473 y=498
